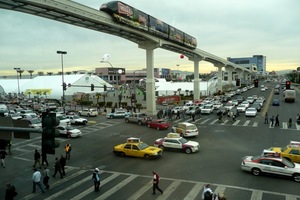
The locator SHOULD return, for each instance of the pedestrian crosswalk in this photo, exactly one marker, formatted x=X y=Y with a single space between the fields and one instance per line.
x=245 y=122
x=116 y=185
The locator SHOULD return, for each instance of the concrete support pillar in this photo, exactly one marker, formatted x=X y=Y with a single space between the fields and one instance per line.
x=196 y=77
x=150 y=82
x=219 y=77
x=229 y=71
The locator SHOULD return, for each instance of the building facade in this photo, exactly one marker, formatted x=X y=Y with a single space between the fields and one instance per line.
x=256 y=60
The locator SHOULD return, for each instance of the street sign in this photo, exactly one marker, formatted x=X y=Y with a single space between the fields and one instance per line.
x=120 y=71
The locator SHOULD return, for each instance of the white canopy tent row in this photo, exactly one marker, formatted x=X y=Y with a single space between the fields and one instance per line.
x=51 y=86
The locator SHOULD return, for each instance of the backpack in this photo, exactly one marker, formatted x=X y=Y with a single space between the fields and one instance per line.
x=208 y=195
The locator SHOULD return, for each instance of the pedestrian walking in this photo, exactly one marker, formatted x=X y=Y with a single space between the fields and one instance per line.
x=178 y=114
x=155 y=183
x=68 y=149
x=266 y=118
x=290 y=123
x=36 y=180
x=44 y=159
x=221 y=196
x=3 y=155
x=57 y=168
x=207 y=193
x=193 y=116
x=277 y=120
x=46 y=177
x=10 y=192
x=272 y=121
x=37 y=157
x=96 y=179
x=62 y=162
x=9 y=145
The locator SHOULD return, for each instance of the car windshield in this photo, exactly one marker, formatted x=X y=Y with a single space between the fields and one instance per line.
x=183 y=141
x=143 y=146
x=191 y=127
x=70 y=128
x=288 y=163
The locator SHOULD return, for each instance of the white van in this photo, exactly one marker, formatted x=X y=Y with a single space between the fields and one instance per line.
x=289 y=95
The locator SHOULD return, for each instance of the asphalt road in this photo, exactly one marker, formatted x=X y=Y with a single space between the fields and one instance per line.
x=182 y=176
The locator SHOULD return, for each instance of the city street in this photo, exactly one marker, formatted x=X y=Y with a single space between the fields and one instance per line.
x=222 y=147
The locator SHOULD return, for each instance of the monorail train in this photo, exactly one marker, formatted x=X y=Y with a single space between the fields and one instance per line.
x=126 y=14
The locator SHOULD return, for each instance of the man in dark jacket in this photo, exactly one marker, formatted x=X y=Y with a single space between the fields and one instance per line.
x=57 y=168
x=62 y=162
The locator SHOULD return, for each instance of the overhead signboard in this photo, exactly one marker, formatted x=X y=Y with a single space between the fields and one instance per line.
x=120 y=71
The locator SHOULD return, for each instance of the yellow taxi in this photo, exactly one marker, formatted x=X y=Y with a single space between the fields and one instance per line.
x=136 y=148
x=290 y=152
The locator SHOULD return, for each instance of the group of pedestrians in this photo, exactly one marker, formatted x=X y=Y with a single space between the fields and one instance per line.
x=275 y=121
x=208 y=194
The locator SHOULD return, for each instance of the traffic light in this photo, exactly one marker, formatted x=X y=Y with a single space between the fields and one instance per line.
x=256 y=83
x=49 y=124
x=92 y=87
x=105 y=87
x=64 y=86
x=287 y=85
x=238 y=82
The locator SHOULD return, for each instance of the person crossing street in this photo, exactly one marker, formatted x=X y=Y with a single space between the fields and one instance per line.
x=68 y=149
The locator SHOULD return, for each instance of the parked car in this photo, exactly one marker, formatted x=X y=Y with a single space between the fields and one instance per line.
x=158 y=124
x=173 y=141
x=88 y=112
x=256 y=106
x=186 y=129
x=136 y=148
x=69 y=131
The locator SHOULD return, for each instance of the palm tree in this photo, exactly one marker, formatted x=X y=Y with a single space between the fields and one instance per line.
x=29 y=93
x=187 y=92
x=30 y=72
x=49 y=73
x=191 y=93
x=179 y=90
x=68 y=73
x=40 y=73
x=175 y=92
x=59 y=73
x=75 y=72
x=20 y=71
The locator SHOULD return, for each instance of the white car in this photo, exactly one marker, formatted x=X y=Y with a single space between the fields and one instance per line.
x=250 y=112
x=63 y=120
x=177 y=108
x=217 y=105
x=271 y=163
x=75 y=119
x=207 y=109
x=246 y=103
x=241 y=108
x=263 y=89
x=229 y=106
x=88 y=112
x=173 y=141
x=250 y=99
x=69 y=131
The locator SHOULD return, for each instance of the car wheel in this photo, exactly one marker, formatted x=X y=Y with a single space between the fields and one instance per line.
x=296 y=177
x=256 y=171
x=158 y=128
x=148 y=126
x=121 y=154
x=111 y=117
x=68 y=135
x=188 y=150
x=140 y=123
x=89 y=115
x=146 y=156
x=76 y=123
x=126 y=120
x=161 y=147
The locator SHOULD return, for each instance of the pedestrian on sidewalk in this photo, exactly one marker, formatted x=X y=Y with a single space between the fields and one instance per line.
x=36 y=180
x=37 y=157
x=266 y=118
x=46 y=174
x=155 y=183
x=96 y=179
x=68 y=150
x=62 y=162
x=57 y=168
x=193 y=116
x=277 y=120
x=3 y=155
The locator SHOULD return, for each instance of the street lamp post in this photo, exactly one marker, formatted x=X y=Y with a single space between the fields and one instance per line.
x=62 y=78
x=18 y=69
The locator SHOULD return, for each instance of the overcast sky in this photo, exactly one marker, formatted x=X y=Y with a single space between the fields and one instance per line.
x=231 y=28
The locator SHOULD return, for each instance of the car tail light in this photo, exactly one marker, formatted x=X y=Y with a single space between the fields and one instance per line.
x=69 y=133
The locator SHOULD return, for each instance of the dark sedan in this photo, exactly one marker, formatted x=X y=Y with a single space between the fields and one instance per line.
x=256 y=106
x=276 y=102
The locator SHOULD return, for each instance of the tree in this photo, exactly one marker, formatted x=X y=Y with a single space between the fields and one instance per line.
x=20 y=72
x=40 y=73
x=68 y=73
x=179 y=90
x=49 y=73
x=75 y=72
x=30 y=72
x=187 y=92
